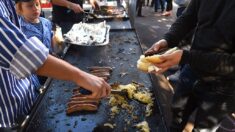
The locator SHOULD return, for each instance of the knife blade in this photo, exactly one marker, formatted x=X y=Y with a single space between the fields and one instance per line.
x=122 y=92
x=160 y=52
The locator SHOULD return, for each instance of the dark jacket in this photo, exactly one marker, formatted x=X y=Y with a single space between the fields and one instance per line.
x=63 y=14
x=213 y=46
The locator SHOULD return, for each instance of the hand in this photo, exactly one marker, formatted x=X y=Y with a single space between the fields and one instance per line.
x=156 y=47
x=96 y=85
x=76 y=8
x=169 y=59
x=94 y=4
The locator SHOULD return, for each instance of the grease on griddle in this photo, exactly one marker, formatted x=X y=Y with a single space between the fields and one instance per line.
x=83 y=119
x=75 y=124
x=102 y=128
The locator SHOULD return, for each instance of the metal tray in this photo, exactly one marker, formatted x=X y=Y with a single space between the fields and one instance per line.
x=90 y=43
x=103 y=15
x=122 y=55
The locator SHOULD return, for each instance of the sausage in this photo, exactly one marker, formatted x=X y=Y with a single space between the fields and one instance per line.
x=102 y=74
x=77 y=94
x=75 y=102
x=81 y=107
x=98 y=67
x=84 y=99
x=105 y=78
x=100 y=70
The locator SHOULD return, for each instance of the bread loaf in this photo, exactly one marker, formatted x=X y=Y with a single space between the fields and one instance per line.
x=144 y=65
x=153 y=59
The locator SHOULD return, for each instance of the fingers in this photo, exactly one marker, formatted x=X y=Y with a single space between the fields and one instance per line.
x=77 y=8
x=96 y=6
x=156 y=47
x=152 y=50
x=106 y=89
x=160 y=71
x=101 y=91
x=167 y=61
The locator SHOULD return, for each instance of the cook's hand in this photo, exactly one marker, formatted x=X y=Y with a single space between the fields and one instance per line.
x=156 y=47
x=169 y=59
x=96 y=85
x=95 y=4
x=76 y=8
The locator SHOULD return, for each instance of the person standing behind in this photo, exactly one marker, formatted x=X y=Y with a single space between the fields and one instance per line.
x=156 y=5
x=67 y=12
x=169 y=7
x=207 y=79
x=139 y=8
x=31 y=22
x=21 y=57
x=34 y=25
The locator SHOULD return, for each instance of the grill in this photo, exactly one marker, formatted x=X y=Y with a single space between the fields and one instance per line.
x=121 y=54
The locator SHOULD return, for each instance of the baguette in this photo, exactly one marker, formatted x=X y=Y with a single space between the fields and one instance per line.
x=153 y=59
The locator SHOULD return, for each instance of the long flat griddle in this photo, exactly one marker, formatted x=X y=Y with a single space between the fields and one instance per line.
x=121 y=54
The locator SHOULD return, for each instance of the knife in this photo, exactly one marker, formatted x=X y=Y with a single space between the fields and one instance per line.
x=159 y=52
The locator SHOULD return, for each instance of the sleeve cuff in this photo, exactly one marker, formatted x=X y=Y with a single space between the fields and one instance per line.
x=169 y=42
x=185 y=57
x=28 y=58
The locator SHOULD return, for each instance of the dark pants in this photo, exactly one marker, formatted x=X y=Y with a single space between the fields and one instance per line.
x=156 y=5
x=169 y=5
x=139 y=7
x=147 y=3
x=211 y=100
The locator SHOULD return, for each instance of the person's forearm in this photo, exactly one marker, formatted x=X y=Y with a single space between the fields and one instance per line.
x=64 y=3
x=183 y=25
x=210 y=63
x=59 y=69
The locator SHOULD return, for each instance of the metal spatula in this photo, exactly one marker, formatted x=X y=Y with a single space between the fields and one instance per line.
x=122 y=92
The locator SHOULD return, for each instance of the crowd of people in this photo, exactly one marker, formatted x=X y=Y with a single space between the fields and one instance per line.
x=206 y=82
x=165 y=6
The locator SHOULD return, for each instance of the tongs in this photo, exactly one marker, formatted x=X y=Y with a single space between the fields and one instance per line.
x=91 y=14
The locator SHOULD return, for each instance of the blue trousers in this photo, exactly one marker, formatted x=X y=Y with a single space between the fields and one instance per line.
x=212 y=101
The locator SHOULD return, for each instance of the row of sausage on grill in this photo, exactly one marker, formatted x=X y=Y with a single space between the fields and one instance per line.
x=82 y=102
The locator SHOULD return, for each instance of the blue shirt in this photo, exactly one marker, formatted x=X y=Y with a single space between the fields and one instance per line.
x=19 y=58
x=42 y=30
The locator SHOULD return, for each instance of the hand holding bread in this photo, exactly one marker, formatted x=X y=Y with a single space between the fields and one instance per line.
x=148 y=63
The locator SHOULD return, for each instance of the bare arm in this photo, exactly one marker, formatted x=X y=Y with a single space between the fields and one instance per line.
x=73 y=6
x=70 y=5
x=59 y=69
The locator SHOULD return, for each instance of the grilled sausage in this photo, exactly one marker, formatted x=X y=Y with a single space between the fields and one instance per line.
x=105 y=78
x=83 y=99
x=81 y=107
x=98 y=68
x=101 y=74
x=75 y=102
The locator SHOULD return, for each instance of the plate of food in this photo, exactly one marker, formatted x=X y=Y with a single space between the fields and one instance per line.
x=86 y=34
